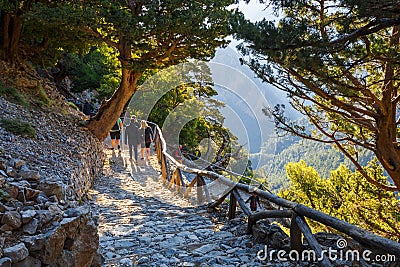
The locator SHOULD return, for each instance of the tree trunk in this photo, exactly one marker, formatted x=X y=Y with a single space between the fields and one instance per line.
x=11 y=31
x=111 y=109
x=387 y=150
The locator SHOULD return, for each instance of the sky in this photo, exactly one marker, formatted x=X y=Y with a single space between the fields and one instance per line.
x=254 y=10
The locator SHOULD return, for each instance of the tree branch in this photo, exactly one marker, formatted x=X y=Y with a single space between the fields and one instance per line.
x=354 y=161
x=372 y=27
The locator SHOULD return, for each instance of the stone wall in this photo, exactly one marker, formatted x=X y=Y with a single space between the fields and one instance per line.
x=44 y=218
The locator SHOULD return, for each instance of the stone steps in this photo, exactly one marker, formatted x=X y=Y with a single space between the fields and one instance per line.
x=142 y=223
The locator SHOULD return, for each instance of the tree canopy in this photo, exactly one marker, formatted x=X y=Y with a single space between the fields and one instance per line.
x=147 y=35
x=347 y=196
x=339 y=62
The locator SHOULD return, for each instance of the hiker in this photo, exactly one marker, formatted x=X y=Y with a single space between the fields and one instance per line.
x=147 y=138
x=132 y=137
x=115 y=134
x=254 y=200
x=87 y=108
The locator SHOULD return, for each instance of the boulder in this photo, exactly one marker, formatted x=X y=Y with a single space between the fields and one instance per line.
x=13 y=191
x=35 y=244
x=66 y=259
x=18 y=163
x=53 y=188
x=28 y=262
x=86 y=245
x=16 y=253
x=30 y=175
x=31 y=194
x=27 y=215
x=5 y=262
x=3 y=164
x=98 y=260
x=270 y=234
x=31 y=227
x=54 y=245
x=12 y=219
x=11 y=172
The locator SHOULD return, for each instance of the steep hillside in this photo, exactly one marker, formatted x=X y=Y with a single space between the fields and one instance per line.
x=47 y=164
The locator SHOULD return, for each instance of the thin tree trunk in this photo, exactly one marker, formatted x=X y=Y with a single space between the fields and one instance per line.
x=6 y=26
x=15 y=37
x=11 y=30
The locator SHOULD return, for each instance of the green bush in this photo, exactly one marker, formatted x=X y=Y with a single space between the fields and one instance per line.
x=4 y=195
x=72 y=105
x=42 y=99
x=14 y=95
x=19 y=127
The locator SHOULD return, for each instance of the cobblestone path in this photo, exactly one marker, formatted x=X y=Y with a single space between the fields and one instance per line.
x=142 y=223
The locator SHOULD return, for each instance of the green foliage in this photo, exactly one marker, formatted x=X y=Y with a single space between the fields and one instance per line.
x=14 y=95
x=8 y=5
x=40 y=96
x=324 y=158
x=97 y=70
x=50 y=34
x=159 y=33
x=332 y=58
x=37 y=96
x=72 y=105
x=17 y=126
x=346 y=195
x=4 y=195
x=188 y=104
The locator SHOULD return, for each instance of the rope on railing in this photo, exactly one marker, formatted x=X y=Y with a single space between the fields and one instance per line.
x=293 y=211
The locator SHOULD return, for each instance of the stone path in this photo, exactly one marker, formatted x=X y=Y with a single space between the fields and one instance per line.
x=142 y=223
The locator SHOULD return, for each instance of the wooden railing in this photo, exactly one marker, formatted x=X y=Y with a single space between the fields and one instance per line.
x=171 y=172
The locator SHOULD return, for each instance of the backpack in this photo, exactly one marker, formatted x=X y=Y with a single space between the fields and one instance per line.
x=116 y=126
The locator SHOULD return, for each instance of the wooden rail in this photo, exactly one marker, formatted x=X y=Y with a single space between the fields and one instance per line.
x=171 y=172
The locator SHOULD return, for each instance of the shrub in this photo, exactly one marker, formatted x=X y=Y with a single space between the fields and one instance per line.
x=42 y=98
x=14 y=95
x=72 y=105
x=4 y=195
x=17 y=126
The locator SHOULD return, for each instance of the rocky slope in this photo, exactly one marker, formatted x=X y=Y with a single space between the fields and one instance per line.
x=44 y=179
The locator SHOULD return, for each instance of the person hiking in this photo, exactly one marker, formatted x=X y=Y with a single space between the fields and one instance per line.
x=87 y=108
x=115 y=134
x=254 y=200
x=147 y=138
x=132 y=137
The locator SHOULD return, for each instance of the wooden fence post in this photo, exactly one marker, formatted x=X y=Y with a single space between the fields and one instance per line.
x=205 y=188
x=295 y=235
x=164 y=171
x=312 y=242
x=182 y=184
x=232 y=207
x=190 y=186
x=173 y=180
x=158 y=149
x=199 y=190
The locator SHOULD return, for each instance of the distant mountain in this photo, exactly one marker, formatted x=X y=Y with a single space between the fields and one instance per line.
x=245 y=97
x=322 y=157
